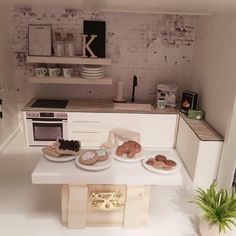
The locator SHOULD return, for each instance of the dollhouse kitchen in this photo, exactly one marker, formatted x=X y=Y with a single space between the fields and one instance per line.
x=113 y=115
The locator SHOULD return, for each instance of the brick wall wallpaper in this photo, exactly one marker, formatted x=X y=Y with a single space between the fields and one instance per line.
x=156 y=48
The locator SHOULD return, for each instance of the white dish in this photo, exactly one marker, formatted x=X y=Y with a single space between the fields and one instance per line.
x=162 y=171
x=124 y=158
x=92 y=68
x=92 y=71
x=92 y=77
x=99 y=165
x=63 y=158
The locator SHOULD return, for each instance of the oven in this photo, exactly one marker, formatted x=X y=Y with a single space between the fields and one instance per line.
x=44 y=128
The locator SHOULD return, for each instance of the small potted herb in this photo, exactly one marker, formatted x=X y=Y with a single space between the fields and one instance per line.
x=219 y=210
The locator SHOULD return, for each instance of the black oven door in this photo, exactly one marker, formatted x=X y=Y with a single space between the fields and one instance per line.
x=47 y=130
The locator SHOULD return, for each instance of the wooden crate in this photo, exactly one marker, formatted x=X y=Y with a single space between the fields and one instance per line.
x=104 y=205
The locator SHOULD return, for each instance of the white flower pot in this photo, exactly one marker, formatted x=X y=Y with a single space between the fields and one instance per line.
x=209 y=229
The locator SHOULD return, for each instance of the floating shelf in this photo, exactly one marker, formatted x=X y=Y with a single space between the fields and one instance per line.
x=69 y=60
x=72 y=80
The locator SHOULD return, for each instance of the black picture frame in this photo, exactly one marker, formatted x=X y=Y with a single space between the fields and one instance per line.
x=40 y=40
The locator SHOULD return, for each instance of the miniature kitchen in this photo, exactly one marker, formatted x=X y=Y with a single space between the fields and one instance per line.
x=110 y=126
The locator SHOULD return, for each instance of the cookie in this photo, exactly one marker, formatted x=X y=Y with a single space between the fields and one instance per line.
x=131 y=151
x=170 y=163
x=102 y=155
x=158 y=164
x=150 y=161
x=88 y=158
x=160 y=158
x=138 y=148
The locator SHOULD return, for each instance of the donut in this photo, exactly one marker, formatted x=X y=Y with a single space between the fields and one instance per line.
x=88 y=158
x=102 y=155
x=160 y=158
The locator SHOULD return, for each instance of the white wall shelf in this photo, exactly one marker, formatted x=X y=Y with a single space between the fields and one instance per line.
x=72 y=80
x=69 y=60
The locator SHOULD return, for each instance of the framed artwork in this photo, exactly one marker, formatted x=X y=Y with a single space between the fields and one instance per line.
x=40 y=40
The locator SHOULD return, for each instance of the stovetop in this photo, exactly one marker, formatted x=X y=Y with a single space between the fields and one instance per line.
x=50 y=103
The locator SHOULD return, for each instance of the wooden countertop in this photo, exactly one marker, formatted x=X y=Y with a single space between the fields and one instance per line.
x=95 y=105
x=202 y=129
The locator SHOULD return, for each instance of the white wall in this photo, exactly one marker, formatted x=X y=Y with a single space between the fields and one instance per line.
x=214 y=68
x=10 y=113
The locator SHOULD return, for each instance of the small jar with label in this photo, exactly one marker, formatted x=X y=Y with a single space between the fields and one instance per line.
x=59 y=50
x=69 y=45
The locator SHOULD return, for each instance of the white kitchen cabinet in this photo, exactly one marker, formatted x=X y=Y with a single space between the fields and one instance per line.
x=156 y=130
x=201 y=157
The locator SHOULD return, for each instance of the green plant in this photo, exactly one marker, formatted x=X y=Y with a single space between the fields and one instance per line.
x=219 y=207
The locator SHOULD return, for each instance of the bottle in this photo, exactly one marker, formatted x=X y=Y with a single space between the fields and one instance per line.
x=69 y=45
x=58 y=46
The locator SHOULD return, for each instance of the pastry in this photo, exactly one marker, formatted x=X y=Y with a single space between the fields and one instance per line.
x=160 y=158
x=50 y=152
x=102 y=155
x=170 y=163
x=120 y=151
x=88 y=158
x=130 y=148
x=68 y=147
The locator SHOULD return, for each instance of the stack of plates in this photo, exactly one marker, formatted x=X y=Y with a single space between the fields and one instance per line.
x=92 y=72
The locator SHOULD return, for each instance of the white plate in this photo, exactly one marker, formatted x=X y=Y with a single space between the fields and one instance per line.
x=99 y=165
x=124 y=158
x=63 y=158
x=161 y=171
x=92 y=77
x=92 y=68
x=92 y=71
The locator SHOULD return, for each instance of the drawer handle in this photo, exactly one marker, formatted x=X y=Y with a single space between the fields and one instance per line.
x=85 y=132
x=86 y=121
x=106 y=201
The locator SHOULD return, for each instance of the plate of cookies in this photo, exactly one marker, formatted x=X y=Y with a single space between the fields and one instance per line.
x=129 y=151
x=94 y=160
x=161 y=164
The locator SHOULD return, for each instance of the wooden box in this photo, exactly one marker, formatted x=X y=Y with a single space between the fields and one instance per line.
x=105 y=205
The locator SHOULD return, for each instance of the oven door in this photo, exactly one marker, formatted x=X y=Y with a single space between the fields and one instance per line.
x=45 y=132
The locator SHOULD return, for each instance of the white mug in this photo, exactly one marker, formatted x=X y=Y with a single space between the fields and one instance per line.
x=161 y=103
x=40 y=71
x=54 y=72
x=67 y=72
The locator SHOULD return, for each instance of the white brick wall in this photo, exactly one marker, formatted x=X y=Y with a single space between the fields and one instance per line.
x=156 y=48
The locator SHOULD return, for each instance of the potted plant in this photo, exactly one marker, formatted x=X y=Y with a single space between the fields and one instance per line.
x=219 y=210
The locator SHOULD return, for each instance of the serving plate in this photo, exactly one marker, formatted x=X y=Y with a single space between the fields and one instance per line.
x=162 y=171
x=92 y=77
x=92 y=68
x=98 y=166
x=63 y=158
x=138 y=157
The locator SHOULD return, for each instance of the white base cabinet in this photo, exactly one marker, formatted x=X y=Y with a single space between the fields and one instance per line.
x=156 y=130
x=201 y=158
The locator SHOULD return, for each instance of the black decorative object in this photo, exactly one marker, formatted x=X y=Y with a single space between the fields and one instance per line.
x=98 y=44
x=189 y=101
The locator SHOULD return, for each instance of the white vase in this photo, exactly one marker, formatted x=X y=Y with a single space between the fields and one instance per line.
x=209 y=229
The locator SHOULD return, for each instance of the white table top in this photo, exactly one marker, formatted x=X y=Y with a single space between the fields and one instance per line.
x=47 y=172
